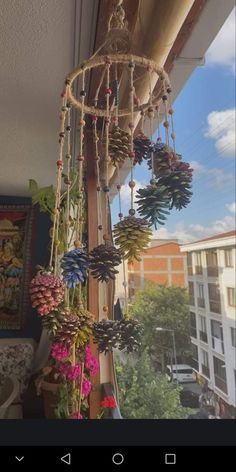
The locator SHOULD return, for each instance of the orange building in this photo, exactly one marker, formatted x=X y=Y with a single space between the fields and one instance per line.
x=162 y=263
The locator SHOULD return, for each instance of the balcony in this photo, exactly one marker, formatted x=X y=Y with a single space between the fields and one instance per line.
x=194 y=364
x=193 y=332
x=212 y=271
x=215 y=306
x=221 y=384
x=198 y=270
x=203 y=336
x=201 y=302
x=205 y=371
x=218 y=345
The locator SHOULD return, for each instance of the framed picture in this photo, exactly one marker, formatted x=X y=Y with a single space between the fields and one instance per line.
x=15 y=255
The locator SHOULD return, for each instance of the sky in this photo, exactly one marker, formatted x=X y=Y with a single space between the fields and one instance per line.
x=204 y=121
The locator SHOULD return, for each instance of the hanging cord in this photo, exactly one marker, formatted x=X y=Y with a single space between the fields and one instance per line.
x=80 y=158
x=131 y=127
x=68 y=179
x=97 y=159
x=171 y=112
x=99 y=87
x=56 y=215
x=151 y=115
x=120 y=214
x=166 y=123
x=107 y=157
x=157 y=108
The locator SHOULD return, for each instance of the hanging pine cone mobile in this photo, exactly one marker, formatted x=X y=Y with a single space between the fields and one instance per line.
x=178 y=184
x=119 y=145
x=130 y=332
x=142 y=148
x=86 y=327
x=46 y=292
x=106 y=335
x=52 y=322
x=153 y=203
x=73 y=326
x=103 y=260
x=68 y=330
x=75 y=265
x=132 y=235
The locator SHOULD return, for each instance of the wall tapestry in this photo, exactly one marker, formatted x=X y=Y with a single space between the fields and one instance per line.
x=15 y=255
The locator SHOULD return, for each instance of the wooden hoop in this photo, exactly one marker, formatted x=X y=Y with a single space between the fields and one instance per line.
x=98 y=61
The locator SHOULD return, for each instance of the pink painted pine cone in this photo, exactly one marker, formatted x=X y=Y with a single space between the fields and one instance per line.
x=46 y=293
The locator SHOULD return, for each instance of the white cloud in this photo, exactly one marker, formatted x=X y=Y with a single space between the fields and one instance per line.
x=231 y=207
x=125 y=194
x=221 y=128
x=222 y=50
x=216 y=178
x=186 y=233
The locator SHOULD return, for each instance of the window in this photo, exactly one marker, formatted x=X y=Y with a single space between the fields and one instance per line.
x=212 y=263
x=194 y=359
x=217 y=336
x=201 y=296
x=190 y=263
x=203 y=328
x=220 y=374
x=205 y=363
x=191 y=293
x=193 y=326
x=214 y=298
x=228 y=258
x=233 y=336
x=231 y=295
x=198 y=263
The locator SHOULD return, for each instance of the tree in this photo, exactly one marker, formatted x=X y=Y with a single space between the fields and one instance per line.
x=145 y=394
x=165 y=307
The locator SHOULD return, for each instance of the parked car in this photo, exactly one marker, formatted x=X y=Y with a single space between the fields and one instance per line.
x=181 y=373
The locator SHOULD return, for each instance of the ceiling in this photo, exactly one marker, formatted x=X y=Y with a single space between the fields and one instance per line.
x=41 y=41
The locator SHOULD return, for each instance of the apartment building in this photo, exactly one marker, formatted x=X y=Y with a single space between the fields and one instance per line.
x=162 y=263
x=211 y=282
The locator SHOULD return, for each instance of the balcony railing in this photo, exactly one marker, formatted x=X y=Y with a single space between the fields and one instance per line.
x=221 y=384
x=191 y=300
x=194 y=364
x=205 y=371
x=193 y=332
x=218 y=345
x=212 y=271
x=198 y=270
x=203 y=336
x=201 y=302
x=215 y=306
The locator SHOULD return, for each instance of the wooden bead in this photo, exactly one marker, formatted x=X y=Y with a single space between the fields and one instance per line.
x=105 y=308
x=77 y=243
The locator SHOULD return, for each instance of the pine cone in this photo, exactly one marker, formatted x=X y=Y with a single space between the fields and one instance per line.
x=46 y=292
x=103 y=260
x=75 y=327
x=106 y=335
x=130 y=331
x=153 y=202
x=75 y=265
x=178 y=184
x=132 y=235
x=68 y=331
x=142 y=148
x=52 y=322
x=119 y=145
x=163 y=156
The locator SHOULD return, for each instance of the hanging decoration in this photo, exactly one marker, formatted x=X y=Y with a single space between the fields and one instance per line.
x=59 y=293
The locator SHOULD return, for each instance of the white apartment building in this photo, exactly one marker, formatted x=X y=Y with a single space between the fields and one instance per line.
x=211 y=280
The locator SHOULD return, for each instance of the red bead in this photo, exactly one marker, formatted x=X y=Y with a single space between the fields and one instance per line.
x=171 y=111
x=132 y=154
x=80 y=158
x=94 y=118
x=63 y=94
x=107 y=121
x=137 y=101
x=108 y=91
x=59 y=163
x=114 y=119
x=82 y=122
x=118 y=187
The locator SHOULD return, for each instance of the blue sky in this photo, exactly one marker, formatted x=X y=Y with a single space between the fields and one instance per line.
x=204 y=122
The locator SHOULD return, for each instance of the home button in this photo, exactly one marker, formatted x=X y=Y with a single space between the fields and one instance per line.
x=118 y=458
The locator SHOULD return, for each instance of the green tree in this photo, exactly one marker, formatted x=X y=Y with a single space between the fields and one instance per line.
x=145 y=394
x=165 y=307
